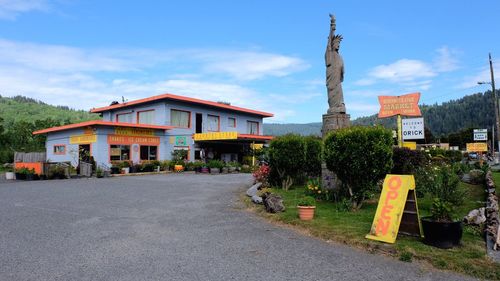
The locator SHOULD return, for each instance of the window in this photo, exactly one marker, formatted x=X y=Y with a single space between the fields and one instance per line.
x=60 y=149
x=231 y=122
x=149 y=152
x=179 y=118
x=252 y=128
x=146 y=117
x=119 y=152
x=124 y=117
x=213 y=123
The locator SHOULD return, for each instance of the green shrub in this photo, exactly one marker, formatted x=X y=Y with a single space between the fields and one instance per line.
x=313 y=156
x=306 y=201
x=164 y=165
x=453 y=155
x=215 y=164
x=406 y=161
x=360 y=157
x=286 y=158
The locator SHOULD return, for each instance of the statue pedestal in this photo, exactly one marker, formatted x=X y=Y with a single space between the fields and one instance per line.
x=335 y=121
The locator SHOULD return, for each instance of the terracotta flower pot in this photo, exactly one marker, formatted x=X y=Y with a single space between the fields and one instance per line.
x=306 y=213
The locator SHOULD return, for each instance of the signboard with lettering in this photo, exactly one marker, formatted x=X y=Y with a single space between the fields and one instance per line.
x=406 y=105
x=215 y=136
x=480 y=134
x=390 y=208
x=181 y=141
x=121 y=131
x=477 y=147
x=80 y=139
x=145 y=140
x=413 y=128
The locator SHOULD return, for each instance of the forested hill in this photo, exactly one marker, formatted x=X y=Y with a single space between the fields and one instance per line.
x=20 y=116
x=20 y=108
x=473 y=111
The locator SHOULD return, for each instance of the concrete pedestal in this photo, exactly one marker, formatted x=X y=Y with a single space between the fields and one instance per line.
x=334 y=121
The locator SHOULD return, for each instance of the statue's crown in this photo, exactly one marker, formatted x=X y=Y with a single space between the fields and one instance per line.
x=338 y=37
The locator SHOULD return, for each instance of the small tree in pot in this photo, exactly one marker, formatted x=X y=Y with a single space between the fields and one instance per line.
x=440 y=230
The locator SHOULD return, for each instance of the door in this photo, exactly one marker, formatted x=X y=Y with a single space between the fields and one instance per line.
x=84 y=153
x=199 y=123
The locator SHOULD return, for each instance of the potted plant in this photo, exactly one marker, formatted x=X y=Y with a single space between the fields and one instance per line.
x=440 y=229
x=21 y=173
x=306 y=207
x=99 y=172
x=115 y=170
x=9 y=174
x=125 y=167
x=232 y=166
x=215 y=166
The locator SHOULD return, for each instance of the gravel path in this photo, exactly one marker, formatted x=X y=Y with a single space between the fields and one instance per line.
x=166 y=227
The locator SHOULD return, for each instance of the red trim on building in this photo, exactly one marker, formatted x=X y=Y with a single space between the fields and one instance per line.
x=184 y=99
x=101 y=123
x=256 y=137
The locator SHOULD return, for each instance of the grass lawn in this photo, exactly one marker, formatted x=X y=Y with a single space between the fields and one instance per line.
x=351 y=227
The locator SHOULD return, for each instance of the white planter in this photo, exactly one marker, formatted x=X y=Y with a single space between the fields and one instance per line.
x=126 y=170
x=10 y=176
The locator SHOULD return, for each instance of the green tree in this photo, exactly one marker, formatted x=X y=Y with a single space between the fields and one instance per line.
x=360 y=157
x=313 y=156
x=286 y=158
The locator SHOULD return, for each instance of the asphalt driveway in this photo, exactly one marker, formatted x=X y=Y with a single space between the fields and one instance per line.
x=166 y=227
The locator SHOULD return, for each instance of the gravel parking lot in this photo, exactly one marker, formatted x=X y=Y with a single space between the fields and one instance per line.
x=166 y=227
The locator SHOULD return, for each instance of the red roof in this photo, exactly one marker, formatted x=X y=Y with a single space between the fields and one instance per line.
x=101 y=123
x=184 y=99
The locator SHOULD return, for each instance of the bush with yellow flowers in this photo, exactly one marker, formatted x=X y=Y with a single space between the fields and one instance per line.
x=313 y=188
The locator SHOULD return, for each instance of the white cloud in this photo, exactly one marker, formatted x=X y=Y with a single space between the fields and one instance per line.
x=83 y=78
x=10 y=9
x=251 y=65
x=411 y=72
x=446 y=60
x=404 y=70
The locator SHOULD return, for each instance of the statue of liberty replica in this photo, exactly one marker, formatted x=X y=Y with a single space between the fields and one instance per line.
x=336 y=116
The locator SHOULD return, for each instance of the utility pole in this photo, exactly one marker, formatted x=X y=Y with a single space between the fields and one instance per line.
x=496 y=106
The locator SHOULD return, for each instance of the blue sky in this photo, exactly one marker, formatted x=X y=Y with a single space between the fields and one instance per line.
x=266 y=55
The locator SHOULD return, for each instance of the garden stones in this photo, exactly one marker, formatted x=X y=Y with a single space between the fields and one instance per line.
x=475 y=217
x=257 y=199
x=252 y=191
x=273 y=203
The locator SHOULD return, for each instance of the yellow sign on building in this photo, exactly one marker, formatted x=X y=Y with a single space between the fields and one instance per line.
x=477 y=147
x=390 y=208
x=410 y=144
x=78 y=139
x=215 y=136
x=133 y=132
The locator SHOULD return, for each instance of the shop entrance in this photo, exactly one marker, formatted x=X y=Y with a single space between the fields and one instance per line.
x=84 y=153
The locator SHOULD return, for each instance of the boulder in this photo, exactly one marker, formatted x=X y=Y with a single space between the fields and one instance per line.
x=475 y=217
x=257 y=199
x=273 y=203
x=252 y=191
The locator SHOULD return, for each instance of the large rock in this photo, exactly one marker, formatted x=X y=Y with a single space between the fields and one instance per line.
x=273 y=203
x=475 y=217
x=252 y=191
x=257 y=199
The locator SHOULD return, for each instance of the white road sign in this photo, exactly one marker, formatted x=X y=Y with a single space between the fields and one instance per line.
x=480 y=134
x=413 y=128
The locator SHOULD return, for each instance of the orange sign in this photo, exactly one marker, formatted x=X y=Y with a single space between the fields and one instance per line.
x=145 y=140
x=406 y=105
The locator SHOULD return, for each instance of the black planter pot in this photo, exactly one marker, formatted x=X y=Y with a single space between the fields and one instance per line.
x=30 y=177
x=20 y=176
x=443 y=235
x=115 y=170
